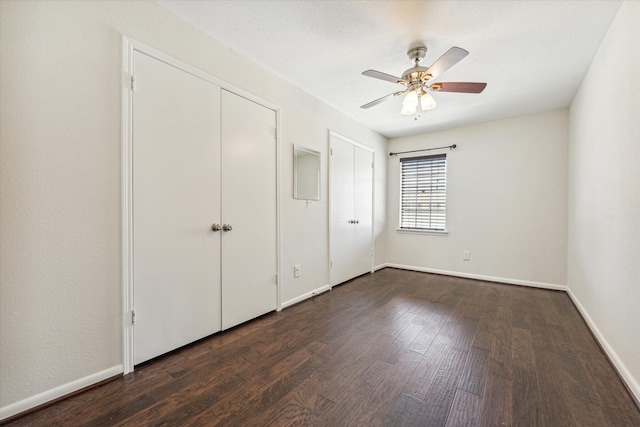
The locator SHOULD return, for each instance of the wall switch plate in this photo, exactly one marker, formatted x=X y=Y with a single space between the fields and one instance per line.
x=466 y=256
x=297 y=271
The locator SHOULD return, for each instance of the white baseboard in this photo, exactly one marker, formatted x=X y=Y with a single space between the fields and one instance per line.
x=631 y=382
x=379 y=267
x=55 y=393
x=509 y=281
x=303 y=297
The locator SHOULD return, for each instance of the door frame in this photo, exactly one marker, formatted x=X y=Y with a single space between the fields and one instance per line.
x=130 y=45
x=333 y=134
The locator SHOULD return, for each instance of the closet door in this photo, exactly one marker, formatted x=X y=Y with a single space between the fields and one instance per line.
x=176 y=199
x=249 y=262
x=351 y=193
x=363 y=210
x=342 y=213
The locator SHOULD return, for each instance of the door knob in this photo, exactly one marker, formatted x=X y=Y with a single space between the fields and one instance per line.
x=356 y=222
x=227 y=227
x=216 y=227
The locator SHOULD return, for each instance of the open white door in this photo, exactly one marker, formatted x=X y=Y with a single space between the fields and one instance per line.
x=176 y=199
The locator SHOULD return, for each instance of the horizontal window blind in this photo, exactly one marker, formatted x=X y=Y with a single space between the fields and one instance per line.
x=423 y=192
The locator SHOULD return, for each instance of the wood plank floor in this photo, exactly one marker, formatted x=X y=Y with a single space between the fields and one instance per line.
x=395 y=348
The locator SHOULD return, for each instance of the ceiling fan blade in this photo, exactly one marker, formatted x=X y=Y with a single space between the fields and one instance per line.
x=383 y=76
x=446 y=61
x=462 y=87
x=381 y=100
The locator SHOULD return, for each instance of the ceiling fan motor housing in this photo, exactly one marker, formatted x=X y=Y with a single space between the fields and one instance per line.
x=417 y=54
x=416 y=74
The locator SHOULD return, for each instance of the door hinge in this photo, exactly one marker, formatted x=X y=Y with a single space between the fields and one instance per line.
x=133 y=317
x=331 y=151
x=331 y=264
x=133 y=82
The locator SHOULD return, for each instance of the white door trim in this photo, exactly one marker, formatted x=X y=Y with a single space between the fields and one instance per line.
x=130 y=45
x=350 y=141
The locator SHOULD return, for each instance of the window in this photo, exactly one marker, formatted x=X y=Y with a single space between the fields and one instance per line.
x=423 y=195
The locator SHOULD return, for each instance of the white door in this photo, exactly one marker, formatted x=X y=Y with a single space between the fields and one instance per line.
x=249 y=262
x=176 y=199
x=351 y=193
x=342 y=213
x=363 y=210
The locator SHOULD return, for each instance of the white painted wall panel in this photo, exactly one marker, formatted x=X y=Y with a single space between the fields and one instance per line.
x=506 y=200
x=604 y=195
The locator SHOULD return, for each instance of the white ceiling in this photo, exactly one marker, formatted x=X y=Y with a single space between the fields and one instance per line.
x=532 y=54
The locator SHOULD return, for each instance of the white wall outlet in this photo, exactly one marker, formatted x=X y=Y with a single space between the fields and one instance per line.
x=297 y=272
x=466 y=255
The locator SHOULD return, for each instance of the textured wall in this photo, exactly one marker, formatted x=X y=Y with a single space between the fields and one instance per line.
x=604 y=194
x=506 y=200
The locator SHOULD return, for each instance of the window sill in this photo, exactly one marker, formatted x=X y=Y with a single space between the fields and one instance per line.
x=431 y=232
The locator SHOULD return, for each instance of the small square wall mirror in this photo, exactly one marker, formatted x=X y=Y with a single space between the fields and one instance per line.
x=306 y=173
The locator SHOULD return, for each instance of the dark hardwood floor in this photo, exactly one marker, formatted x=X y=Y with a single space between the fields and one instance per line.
x=396 y=348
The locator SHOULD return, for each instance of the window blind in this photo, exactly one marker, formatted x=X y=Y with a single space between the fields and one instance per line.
x=423 y=192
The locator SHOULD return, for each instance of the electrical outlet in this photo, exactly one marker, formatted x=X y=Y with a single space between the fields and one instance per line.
x=297 y=272
x=466 y=256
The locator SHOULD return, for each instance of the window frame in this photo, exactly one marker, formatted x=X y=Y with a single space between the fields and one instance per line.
x=402 y=225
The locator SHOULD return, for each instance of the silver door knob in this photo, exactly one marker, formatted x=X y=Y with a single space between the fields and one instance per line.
x=227 y=227
x=356 y=222
x=216 y=227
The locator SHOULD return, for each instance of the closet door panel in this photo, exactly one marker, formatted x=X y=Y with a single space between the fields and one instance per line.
x=176 y=193
x=363 y=210
x=249 y=259
x=342 y=213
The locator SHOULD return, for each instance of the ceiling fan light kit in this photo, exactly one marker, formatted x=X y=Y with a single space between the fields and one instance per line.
x=427 y=102
x=415 y=81
x=409 y=103
x=413 y=98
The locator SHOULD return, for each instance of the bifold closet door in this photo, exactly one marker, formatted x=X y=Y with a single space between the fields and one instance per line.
x=342 y=214
x=363 y=210
x=249 y=248
x=176 y=199
x=351 y=193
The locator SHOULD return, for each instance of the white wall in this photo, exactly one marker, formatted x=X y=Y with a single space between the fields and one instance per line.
x=506 y=201
x=60 y=264
x=604 y=195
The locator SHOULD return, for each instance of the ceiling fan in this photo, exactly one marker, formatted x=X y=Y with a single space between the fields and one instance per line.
x=416 y=81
